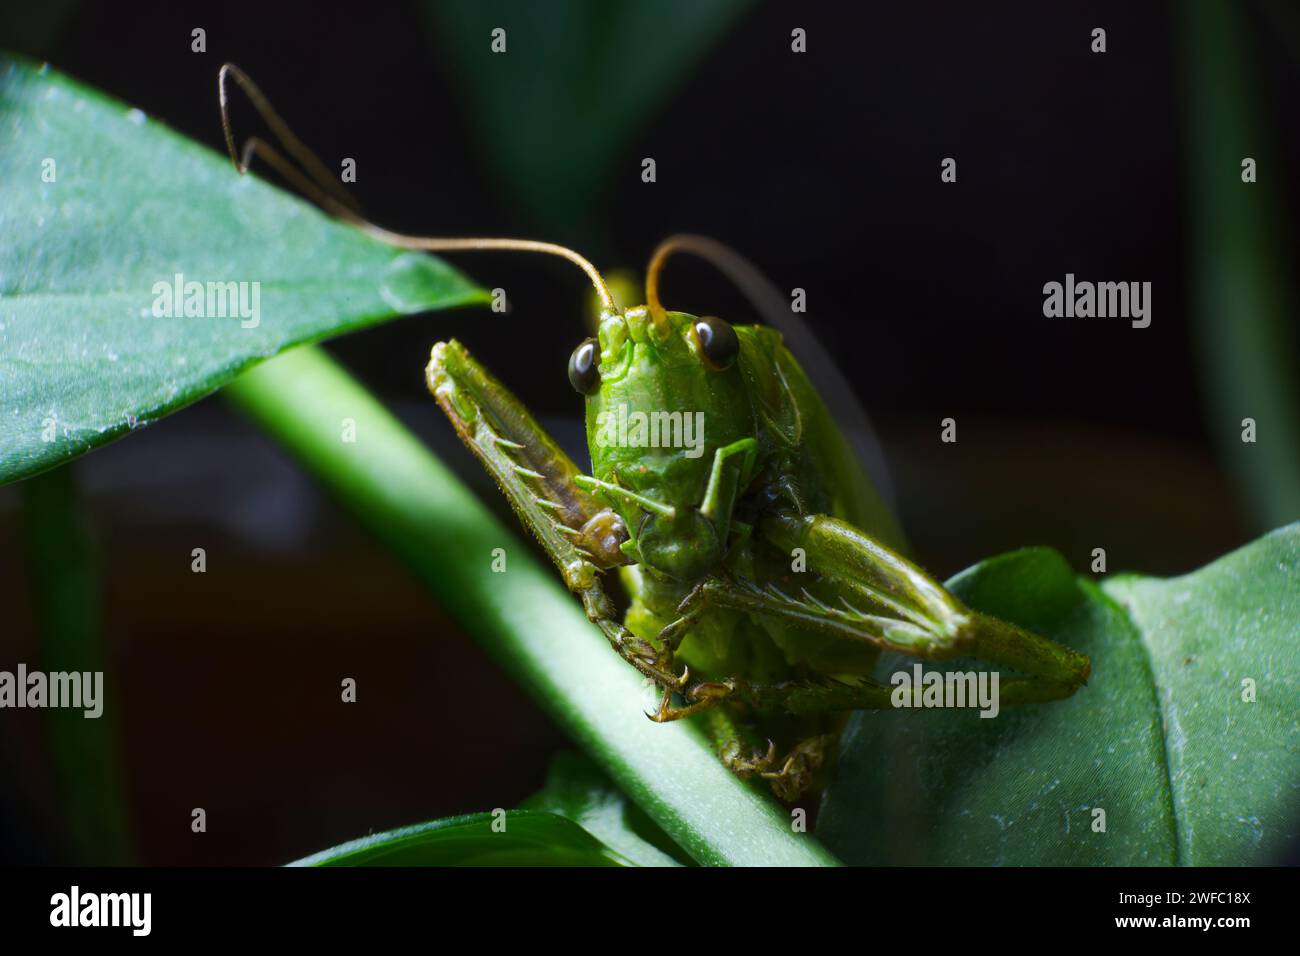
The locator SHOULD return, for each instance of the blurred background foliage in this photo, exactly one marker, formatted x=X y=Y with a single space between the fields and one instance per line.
x=824 y=170
x=579 y=82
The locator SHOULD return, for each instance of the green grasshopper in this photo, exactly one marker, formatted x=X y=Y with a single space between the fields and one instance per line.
x=764 y=572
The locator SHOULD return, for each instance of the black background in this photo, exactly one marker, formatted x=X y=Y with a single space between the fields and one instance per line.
x=824 y=170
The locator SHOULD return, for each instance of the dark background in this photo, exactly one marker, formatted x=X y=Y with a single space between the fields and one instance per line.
x=822 y=168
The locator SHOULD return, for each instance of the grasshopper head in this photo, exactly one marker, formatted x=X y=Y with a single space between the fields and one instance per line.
x=663 y=394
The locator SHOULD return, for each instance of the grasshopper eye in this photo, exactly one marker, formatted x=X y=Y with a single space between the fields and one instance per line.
x=584 y=372
x=718 y=342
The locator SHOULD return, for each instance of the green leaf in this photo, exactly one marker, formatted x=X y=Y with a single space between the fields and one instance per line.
x=1161 y=739
x=578 y=79
x=576 y=788
x=578 y=819
x=525 y=619
x=1234 y=767
x=529 y=838
x=83 y=359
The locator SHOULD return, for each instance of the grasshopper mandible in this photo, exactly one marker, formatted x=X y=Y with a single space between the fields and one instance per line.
x=764 y=572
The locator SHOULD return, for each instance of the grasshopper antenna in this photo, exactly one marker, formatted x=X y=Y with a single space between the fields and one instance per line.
x=774 y=309
x=321 y=180
x=323 y=189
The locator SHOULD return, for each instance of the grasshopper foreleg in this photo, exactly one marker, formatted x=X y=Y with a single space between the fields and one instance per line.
x=579 y=533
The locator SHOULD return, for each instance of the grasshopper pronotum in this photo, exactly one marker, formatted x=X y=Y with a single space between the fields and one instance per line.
x=764 y=572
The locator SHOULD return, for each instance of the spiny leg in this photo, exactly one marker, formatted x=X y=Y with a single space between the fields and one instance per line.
x=829 y=695
x=702 y=696
x=907 y=610
x=580 y=535
x=912 y=614
x=898 y=635
x=536 y=476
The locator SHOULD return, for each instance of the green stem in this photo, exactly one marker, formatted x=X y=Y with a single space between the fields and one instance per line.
x=65 y=598
x=523 y=618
